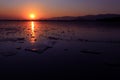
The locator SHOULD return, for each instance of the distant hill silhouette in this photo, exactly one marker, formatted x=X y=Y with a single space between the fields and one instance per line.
x=100 y=17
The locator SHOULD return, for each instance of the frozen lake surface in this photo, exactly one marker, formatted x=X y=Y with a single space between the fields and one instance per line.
x=60 y=48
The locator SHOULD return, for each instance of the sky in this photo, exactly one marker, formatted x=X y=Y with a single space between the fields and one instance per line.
x=21 y=9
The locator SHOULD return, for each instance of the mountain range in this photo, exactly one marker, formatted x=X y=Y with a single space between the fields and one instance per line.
x=100 y=17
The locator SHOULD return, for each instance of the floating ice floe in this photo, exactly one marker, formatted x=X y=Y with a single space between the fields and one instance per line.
x=38 y=49
x=90 y=52
x=6 y=54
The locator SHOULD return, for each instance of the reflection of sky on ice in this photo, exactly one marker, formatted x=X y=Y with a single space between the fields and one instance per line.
x=40 y=36
x=38 y=47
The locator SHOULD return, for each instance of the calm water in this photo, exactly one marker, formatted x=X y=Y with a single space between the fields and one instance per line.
x=59 y=48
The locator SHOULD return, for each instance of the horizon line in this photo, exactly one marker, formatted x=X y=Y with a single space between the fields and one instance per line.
x=42 y=19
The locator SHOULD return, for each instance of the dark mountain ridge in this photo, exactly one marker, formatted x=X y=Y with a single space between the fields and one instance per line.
x=100 y=17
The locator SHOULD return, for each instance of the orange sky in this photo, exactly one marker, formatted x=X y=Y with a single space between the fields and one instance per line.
x=21 y=9
x=40 y=12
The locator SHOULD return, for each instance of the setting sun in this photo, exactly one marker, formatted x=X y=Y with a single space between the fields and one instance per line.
x=32 y=16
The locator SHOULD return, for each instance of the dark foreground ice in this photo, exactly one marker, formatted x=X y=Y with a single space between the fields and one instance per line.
x=59 y=48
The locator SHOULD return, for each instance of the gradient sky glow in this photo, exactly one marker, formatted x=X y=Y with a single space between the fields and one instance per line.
x=21 y=9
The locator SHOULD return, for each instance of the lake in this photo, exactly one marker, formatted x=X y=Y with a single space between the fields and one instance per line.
x=58 y=48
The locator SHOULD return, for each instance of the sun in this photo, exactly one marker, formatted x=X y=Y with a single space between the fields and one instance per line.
x=32 y=16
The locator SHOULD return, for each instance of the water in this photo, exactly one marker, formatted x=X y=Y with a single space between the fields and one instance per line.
x=59 y=48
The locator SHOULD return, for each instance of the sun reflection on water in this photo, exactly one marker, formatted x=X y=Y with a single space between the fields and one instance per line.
x=33 y=36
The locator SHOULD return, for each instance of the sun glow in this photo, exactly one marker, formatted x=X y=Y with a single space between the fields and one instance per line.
x=32 y=16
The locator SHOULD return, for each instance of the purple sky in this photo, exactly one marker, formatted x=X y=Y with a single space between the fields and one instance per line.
x=20 y=9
